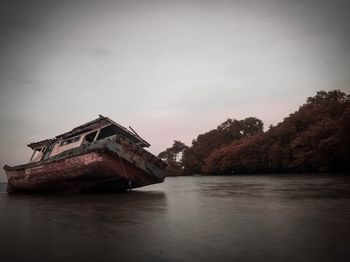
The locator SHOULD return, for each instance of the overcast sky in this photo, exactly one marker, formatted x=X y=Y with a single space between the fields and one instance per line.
x=170 y=69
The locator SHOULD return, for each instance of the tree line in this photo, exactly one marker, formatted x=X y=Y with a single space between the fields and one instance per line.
x=315 y=138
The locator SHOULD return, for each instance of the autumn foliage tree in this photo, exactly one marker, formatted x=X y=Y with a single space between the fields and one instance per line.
x=313 y=139
x=227 y=132
x=316 y=138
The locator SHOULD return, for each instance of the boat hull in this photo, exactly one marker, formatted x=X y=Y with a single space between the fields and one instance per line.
x=107 y=167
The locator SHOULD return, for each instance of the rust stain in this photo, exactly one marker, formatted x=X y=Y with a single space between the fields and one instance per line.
x=103 y=156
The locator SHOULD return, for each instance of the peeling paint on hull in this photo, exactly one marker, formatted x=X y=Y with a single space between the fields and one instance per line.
x=112 y=164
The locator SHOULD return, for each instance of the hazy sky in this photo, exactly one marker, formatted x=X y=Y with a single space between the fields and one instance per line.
x=170 y=69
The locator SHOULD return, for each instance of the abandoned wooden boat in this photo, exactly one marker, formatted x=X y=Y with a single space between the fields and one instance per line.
x=100 y=155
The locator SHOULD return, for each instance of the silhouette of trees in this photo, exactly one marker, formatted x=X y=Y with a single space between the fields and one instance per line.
x=228 y=131
x=172 y=156
x=334 y=96
x=316 y=138
x=313 y=139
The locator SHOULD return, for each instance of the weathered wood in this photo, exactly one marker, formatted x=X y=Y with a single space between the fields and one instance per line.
x=111 y=164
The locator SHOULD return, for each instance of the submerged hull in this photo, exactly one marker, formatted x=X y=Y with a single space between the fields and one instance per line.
x=109 y=165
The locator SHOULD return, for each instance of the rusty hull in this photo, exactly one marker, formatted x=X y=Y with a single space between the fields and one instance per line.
x=111 y=164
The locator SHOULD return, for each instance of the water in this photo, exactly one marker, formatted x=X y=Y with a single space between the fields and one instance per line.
x=239 y=218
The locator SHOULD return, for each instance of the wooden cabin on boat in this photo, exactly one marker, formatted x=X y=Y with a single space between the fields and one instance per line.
x=95 y=130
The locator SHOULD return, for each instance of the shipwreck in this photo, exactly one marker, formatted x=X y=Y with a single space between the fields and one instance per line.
x=98 y=156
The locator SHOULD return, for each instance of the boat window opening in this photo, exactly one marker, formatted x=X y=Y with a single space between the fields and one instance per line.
x=37 y=155
x=90 y=137
x=113 y=130
x=106 y=132
x=70 y=140
x=47 y=151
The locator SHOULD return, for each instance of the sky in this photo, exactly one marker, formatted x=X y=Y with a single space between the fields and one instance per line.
x=169 y=69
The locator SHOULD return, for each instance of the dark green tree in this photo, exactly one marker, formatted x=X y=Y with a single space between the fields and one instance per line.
x=173 y=157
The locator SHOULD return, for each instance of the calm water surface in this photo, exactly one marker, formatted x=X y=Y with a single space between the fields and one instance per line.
x=240 y=218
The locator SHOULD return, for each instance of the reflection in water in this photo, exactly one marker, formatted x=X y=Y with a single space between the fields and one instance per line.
x=245 y=218
x=78 y=226
x=3 y=187
x=289 y=187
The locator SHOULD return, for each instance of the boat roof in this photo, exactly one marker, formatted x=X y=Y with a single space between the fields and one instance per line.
x=97 y=123
x=45 y=142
